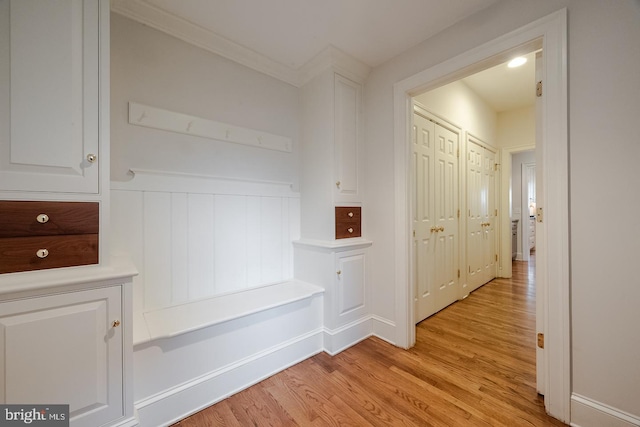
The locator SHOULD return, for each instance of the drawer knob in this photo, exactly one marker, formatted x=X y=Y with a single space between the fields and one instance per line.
x=350 y=214
x=91 y=158
x=42 y=218
x=42 y=253
x=350 y=230
x=115 y=323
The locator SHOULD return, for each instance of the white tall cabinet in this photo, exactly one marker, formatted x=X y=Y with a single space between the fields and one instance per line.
x=331 y=176
x=65 y=333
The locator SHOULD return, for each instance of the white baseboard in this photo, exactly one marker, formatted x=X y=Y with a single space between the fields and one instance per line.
x=384 y=329
x=178 y=402
x=337 y=340
x=586 y=412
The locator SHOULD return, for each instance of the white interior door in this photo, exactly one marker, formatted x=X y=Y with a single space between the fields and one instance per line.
x=447 y=222
x=475 y=214
x=435 y=216
x=490 y=216
x=482 y=215
x=541 y=250
x=423 y=222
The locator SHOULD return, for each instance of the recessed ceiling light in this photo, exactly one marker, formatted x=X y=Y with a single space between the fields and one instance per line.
x=516 y=62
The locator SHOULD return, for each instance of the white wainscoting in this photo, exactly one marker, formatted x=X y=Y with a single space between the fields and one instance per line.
x=195 y=237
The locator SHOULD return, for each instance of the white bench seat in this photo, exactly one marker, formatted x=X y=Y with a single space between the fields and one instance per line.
x=179 y=319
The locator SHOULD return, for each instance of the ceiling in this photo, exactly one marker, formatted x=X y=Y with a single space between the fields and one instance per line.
x=505 y=88
x=278 y=37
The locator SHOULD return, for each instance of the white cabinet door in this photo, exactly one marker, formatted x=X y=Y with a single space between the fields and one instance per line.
x=350 y=294
x=65 y=349
x=347 y=133
x=49 y=84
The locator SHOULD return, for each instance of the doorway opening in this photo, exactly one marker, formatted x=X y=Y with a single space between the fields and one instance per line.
x=552 y=263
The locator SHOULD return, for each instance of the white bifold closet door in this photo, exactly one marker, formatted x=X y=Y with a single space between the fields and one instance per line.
x=481 y=214
x=435 y=151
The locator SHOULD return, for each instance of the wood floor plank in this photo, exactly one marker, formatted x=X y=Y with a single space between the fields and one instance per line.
x=473 y=365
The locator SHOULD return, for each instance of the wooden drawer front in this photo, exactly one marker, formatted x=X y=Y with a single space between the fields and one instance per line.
x=20 y=253
x=348 y=222
x=20 y=219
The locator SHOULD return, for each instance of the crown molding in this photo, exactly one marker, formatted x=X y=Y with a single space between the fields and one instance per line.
x=155 y=17
x=332 y=57
x=148 y=14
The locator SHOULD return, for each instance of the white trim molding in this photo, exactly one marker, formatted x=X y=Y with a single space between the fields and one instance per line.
x=587 y=412
x=187 y=31
x=550 y=34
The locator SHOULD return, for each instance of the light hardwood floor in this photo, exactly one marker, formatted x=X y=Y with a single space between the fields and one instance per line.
x=473 y=365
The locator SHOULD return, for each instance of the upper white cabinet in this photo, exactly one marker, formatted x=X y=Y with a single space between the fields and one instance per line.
x=347 y=132
x=50 y=75
x=331 y=173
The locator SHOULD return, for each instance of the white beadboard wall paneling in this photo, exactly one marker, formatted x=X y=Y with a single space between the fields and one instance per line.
x=203 y=236
x=158 y=118
x=201 y=247
x=230 y=243
x=157 y=249
x=179 y=247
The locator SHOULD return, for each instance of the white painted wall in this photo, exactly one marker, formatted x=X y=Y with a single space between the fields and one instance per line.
x=461 y=106
x=153 y=68
x=603 y=108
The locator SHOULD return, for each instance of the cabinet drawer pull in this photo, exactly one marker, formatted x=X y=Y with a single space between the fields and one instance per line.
x=350 y=230
x=42 y=218
x=350 y=214
x=42 y=253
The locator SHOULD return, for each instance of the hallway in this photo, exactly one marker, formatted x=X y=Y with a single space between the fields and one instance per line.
x=473 y=365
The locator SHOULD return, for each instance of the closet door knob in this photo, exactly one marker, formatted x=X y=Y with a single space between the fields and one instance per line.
x=115 y=323
x=91 y=158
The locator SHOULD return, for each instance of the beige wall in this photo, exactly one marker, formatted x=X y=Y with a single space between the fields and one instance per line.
x=153 y=68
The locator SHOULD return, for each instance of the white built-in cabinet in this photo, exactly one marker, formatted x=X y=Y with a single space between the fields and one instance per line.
x=66 y=348
x=49 y=95
x=331 y=176
x=65 y=333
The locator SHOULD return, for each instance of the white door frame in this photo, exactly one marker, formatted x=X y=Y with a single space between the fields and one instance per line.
x=550 y=34
x=525 y=174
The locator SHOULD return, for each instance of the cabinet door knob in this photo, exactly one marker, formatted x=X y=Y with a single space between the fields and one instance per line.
x=91 y=158
x=350 y=214
x=42 y=253
x=339 y=272
x=350 y=230
x=115 y=323
x=338 y=184
x=42 y=218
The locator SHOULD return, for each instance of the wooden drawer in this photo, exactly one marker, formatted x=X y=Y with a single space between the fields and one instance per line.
x=20 y=219
x=348 y=222
x=20 y=253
